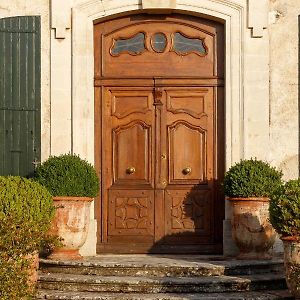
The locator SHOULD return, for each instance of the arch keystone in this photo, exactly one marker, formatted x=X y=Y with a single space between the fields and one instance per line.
x=150 y=4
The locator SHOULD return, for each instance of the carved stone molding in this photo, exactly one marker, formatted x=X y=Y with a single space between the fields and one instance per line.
x=258 y=14
x=60 y=17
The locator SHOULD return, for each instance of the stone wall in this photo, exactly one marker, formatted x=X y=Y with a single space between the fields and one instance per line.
x=284 y=85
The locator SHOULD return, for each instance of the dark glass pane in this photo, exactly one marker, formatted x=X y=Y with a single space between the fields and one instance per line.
x=134 y=45
x=184 y=45
x=159 y=42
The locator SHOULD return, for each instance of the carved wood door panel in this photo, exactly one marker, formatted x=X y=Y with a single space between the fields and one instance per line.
x=158 y=169
x=128 y=165
x=159 y=134
x=188 y=146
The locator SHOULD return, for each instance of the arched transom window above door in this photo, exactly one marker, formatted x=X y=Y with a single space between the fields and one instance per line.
x=159 y=42
x=155 y=45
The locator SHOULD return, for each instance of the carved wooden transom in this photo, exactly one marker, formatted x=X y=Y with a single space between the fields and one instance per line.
x=160 y=42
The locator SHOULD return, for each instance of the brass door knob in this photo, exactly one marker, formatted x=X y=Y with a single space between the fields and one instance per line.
x=187 y=170
x=130 y=170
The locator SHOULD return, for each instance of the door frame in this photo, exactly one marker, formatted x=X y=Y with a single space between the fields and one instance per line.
x=229 y=12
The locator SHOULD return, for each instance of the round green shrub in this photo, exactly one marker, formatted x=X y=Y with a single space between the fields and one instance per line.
x=68 y=175
x=26 y=212
x=25 y=204
x=14 y=278
x=285 y=209
x=251 y=178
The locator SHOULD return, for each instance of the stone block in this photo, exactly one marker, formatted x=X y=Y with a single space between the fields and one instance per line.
x=155 y=4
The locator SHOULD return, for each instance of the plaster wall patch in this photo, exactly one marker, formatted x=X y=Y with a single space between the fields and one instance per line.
x=258 y=16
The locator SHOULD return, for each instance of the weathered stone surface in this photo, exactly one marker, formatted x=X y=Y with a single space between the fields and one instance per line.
x=270 y=295
x=161 y=266
x=93 y=283
x=161 y=277
x=284 y=86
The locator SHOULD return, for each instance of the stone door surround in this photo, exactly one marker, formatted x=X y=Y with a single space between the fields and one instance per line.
x=246 y=61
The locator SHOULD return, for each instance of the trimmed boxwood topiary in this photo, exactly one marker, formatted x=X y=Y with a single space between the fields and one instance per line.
x=285 y=209
x=251 y=178
x=68 y=175
x=27 y=204
x=26 y=212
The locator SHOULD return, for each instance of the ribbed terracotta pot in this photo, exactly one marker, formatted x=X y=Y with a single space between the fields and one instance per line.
x=71 y=222
x=251 y=228
x=292 y=264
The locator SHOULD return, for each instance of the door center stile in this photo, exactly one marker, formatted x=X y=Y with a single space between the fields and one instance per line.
x=160 y=156
x=160 y=162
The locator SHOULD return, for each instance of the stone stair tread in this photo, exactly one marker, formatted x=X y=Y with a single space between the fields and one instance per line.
x=167 y=266
x=161 y=278
x=62 y=277
x=142 y=261
x=61 y=295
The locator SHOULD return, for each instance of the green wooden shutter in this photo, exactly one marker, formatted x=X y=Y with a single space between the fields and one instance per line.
x=20 y=94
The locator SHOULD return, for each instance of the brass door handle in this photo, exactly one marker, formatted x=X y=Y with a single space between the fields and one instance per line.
x=187 y=170
x=130 y=170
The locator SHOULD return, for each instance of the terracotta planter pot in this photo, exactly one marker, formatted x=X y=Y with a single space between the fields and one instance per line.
x=71 y=223
x=251 y=229
x=292 y=264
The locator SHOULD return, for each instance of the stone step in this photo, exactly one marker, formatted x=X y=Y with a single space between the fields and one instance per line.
x=156 y=266
x=115 y=284
x=60 y=295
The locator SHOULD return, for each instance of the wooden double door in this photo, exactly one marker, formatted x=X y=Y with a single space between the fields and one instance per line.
x=158 y=148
